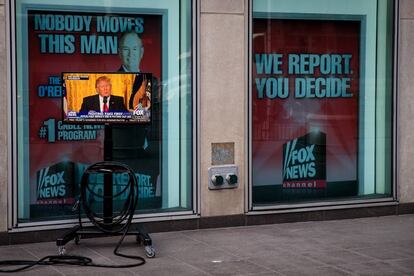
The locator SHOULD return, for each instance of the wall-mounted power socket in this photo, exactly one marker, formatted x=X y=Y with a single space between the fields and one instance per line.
x=223 y=177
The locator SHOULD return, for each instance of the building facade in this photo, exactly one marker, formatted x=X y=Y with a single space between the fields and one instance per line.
x=259 y=111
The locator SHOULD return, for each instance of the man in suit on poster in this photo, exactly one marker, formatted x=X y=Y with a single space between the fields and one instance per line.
x=103 y=101
x=145 y=146
x=131 y=51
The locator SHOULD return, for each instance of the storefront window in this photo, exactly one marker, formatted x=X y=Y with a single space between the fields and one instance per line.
x=321 y=100
x=93 y=39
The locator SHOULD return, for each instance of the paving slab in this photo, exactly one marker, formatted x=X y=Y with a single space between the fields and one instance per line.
x=363 y=246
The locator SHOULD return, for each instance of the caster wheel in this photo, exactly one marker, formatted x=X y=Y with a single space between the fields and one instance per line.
x=149 y=251
x=61 y=250
x=77 y=239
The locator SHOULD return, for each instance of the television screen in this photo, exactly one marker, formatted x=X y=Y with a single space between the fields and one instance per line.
x=121 y=97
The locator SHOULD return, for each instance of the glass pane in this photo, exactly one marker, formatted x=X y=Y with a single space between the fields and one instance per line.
x=103 y=37
x=321 y=88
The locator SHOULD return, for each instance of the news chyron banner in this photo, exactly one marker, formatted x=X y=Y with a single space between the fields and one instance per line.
x=62 y=41
x=306 y=79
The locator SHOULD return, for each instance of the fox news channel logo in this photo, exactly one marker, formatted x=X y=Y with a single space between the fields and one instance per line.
x=72 y=114
x=304 y=161
x=55 y=181
x=139 y=112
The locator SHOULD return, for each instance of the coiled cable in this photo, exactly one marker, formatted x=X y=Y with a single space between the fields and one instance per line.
x=126 y=213
x=119 y=223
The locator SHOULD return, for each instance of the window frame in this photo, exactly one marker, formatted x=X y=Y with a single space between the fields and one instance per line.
x=281 y=207
x=12 y=212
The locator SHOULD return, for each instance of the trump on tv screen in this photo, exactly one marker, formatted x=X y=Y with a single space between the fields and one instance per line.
x=107 y=97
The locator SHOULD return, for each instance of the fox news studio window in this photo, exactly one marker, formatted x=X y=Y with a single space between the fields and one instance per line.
x=82 y=64
x=320 y=102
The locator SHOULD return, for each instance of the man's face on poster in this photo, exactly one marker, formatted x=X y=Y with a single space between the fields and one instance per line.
x=104 y=88
x=131 y=52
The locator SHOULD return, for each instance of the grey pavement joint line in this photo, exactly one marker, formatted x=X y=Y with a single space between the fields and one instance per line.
x=323 y=264
x=190 y=265
x=375 y=246
x=242 y=257
x=234 y=255
x=375 y=258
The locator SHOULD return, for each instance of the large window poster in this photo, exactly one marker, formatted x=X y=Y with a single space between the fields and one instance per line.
x=63 y=41
x=306 y=86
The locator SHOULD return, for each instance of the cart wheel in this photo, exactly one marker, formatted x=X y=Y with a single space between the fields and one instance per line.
x=61 y=250
x=77 y=239
x=149 y=251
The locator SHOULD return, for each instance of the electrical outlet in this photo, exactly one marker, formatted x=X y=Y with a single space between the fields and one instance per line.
x=223 y=177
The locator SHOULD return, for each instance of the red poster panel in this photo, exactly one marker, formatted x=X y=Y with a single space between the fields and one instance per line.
x=305 y=108
x=77 y=42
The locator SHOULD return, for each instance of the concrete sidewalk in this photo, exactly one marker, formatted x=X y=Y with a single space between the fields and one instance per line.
x=366 y=246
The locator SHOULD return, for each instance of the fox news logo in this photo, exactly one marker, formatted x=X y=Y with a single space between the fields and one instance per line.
x=53 y=181
x=138 y=112
x=72 y=114
x=304 y=161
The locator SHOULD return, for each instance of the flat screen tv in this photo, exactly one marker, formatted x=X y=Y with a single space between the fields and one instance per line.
x=102 y=98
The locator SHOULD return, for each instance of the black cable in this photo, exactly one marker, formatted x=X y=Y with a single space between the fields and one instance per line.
x=127 y=212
